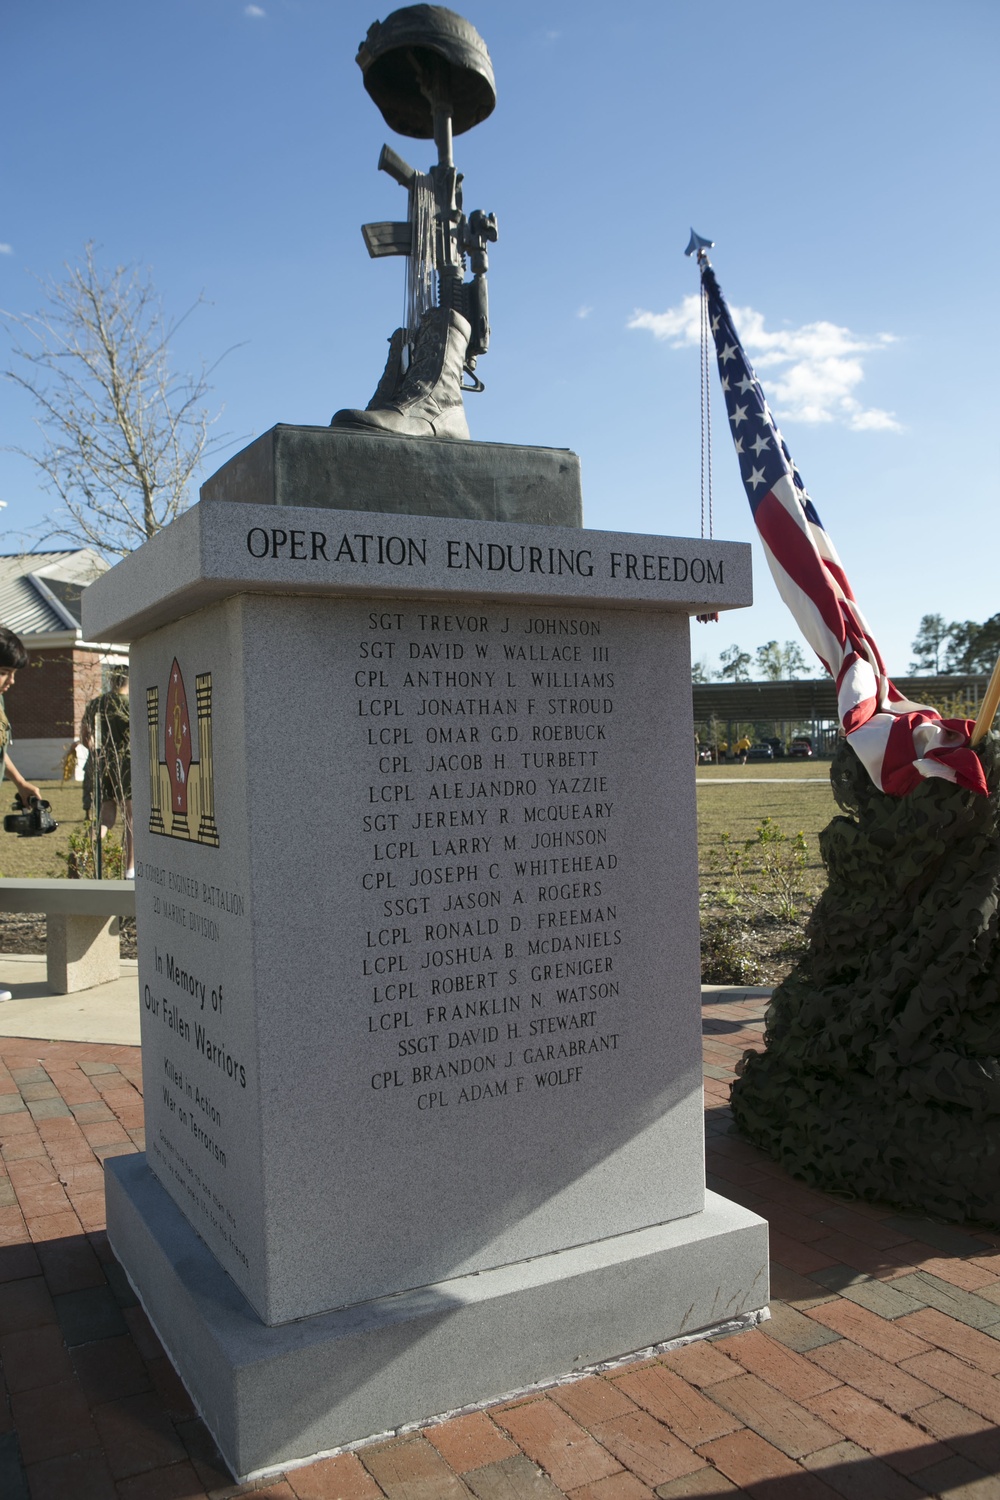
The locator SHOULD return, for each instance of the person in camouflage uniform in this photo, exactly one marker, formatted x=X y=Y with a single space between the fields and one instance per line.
x=110 y=713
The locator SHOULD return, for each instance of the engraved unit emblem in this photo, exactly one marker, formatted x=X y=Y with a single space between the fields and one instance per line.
x=181 y=788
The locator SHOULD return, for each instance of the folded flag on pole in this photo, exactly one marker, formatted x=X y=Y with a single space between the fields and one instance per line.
x=899 y=742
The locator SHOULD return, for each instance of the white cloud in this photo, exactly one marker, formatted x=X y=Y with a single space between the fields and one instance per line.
x=681 y=325
x=584 y=312
x=6 y=249
x=254 y=10
x=809 y=374
x=875 y=420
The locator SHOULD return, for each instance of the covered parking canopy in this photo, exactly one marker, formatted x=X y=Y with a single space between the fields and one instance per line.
x=813 y=700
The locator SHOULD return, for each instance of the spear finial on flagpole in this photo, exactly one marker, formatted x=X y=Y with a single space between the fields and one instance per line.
x=697 y=245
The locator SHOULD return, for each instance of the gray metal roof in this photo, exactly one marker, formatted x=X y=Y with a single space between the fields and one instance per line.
x=40 y=591
x=816 y=697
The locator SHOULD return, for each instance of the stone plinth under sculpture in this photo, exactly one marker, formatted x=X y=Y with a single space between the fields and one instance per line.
x=328 y=466
x=416 y=895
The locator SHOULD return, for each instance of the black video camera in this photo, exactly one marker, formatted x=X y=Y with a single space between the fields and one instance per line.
x=29 y=822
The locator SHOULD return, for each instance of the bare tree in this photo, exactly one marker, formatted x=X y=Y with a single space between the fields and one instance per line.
x=121 y=434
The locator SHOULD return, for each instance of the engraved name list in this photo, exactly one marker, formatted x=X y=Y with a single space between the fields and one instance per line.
x=492 y=824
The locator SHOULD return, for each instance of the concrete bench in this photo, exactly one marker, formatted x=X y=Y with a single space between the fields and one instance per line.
x=81 y=944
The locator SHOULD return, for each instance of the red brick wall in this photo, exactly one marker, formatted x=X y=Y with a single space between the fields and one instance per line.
x=51 y=692
x=87 y=683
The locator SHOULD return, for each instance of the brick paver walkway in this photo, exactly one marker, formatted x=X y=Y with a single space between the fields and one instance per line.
x=878 y=1376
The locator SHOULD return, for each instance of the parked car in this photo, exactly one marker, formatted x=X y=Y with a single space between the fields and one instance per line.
x=802 y=747
x=760 y=752
x=776 y=746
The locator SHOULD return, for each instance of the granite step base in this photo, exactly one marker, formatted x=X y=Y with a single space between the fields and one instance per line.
x=279 y=1396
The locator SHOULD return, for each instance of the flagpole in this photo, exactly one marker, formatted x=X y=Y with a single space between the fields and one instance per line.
x=987 y=712
x=697 y=246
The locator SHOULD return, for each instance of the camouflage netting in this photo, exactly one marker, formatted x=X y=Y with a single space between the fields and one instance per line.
x=881 y=1075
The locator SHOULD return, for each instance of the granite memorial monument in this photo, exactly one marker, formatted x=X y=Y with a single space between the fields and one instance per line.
x=417 y=913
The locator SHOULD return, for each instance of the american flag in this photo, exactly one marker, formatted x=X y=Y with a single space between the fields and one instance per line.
x=899 y=742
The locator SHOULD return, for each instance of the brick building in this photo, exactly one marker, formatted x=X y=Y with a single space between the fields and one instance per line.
x=40 y=595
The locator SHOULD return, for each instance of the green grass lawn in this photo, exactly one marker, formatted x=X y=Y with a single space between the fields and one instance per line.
x=784 y=770
x=754 y=931
x=737 y=804
x=39 y=857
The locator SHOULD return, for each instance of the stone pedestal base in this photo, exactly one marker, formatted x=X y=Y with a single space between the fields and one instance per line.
x=80 y=951
x=275 y=1396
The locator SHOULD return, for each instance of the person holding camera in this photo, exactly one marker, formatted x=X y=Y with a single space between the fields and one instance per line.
x=12 y=658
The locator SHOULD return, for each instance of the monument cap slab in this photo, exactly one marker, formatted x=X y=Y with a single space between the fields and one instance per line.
x=216 y=550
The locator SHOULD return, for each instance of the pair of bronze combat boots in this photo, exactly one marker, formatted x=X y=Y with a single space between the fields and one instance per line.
x=424 y=398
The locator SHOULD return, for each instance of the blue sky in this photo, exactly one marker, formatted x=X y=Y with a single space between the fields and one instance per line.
x=842 y=156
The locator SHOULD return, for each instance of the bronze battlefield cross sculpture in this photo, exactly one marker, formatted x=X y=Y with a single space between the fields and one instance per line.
x=430 y=74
